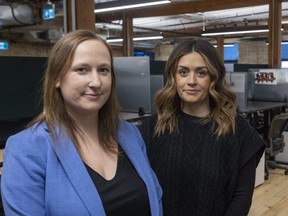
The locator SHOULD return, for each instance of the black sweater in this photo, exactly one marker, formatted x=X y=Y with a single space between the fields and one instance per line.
x=200 y=174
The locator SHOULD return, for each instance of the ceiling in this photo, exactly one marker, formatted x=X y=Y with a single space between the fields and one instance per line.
x=21 y=21
x=175 y=21
x=182 y=24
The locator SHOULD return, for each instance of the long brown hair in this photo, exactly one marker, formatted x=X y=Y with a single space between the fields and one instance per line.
x=54 y=113
x=222 y=99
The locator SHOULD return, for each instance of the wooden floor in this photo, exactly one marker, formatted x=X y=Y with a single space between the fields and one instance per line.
x=271 y=198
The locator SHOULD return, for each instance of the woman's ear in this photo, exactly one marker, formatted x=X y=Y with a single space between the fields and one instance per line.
x=57 y=84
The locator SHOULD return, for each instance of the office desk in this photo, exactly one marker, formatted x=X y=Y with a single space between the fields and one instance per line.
x=254 y=106
x=134 y=118
x=267 y=107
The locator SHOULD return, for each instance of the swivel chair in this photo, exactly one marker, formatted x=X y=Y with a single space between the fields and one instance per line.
x=275 y=143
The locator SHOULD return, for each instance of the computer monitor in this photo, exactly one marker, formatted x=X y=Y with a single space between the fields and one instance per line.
x=20 y=87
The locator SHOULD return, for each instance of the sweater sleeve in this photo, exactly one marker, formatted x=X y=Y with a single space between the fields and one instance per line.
x=242 y=196
x=252 y=144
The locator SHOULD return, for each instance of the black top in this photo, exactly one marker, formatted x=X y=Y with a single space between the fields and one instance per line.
x=200 y=174
x=125 y=194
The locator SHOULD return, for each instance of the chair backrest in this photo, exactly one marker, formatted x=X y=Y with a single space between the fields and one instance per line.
x=278 y=125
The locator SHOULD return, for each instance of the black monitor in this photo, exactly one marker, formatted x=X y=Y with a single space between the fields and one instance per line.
x=21 y=87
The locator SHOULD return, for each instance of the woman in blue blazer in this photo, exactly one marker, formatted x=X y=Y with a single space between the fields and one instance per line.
x=77 y=157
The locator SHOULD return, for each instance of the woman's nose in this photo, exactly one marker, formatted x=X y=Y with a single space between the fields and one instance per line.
x=192 y=78
x=94 y=79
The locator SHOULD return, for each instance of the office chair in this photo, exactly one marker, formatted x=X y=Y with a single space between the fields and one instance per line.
x=275 y=143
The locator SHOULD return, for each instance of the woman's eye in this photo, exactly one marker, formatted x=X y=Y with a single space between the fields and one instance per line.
x=202 y=73
x=81 y=70
x=183 y=72
x=104 y=70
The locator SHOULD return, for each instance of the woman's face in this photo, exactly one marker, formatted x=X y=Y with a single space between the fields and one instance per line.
x=87 y=84
x=193 y=81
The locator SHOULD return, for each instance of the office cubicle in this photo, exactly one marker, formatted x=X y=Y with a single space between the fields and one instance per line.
x=268 y=85
x=133 y=83
x=137 y=80
x=157 y=79
x=259 y=85
x=157 y=82
x=238 y=83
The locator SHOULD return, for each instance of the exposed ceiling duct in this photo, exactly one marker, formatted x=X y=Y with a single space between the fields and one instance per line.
x=22 y=21
x=16 y=14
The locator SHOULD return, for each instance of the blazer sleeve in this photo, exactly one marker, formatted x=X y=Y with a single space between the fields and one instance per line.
x=23 y=177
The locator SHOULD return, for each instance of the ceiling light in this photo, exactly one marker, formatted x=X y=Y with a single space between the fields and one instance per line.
x=137 y=38
x=121 y=5
x=283 y=42
x=236 y=30
x=226 y=45
x=233 y=32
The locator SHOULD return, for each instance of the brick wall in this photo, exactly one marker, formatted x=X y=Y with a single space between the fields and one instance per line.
x=162 y=52
x=250 y=52
x=253 y=52
x=27 y=49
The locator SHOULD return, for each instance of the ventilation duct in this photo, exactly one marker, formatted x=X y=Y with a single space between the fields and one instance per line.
x=16 y=14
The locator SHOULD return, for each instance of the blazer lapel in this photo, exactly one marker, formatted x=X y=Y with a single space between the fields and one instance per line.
x=79 y=177
x=132 y=148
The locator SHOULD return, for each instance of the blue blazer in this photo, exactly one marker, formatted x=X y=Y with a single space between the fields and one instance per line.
x=41 y=177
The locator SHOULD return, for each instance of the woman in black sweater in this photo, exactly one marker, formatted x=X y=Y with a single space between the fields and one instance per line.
x=203 y=153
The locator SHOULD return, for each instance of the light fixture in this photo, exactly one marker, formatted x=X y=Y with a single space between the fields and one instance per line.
x=226 y=45
x=283 y=42
x=236 y=30
x=121 y=5
x=136 y=38
x=231 y=31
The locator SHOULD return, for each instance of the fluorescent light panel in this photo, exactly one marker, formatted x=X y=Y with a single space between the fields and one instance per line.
x=283 y=42
x=226 y=45
x=157 y=37
x=234 y=32
x=136 y=5
x=248 y=31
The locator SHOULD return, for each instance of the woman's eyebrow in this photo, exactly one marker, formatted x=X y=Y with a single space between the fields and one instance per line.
x=180 y=66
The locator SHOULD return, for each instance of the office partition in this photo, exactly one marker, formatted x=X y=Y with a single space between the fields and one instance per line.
x=238 y=83
x=268 y=84
x=133 y=83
